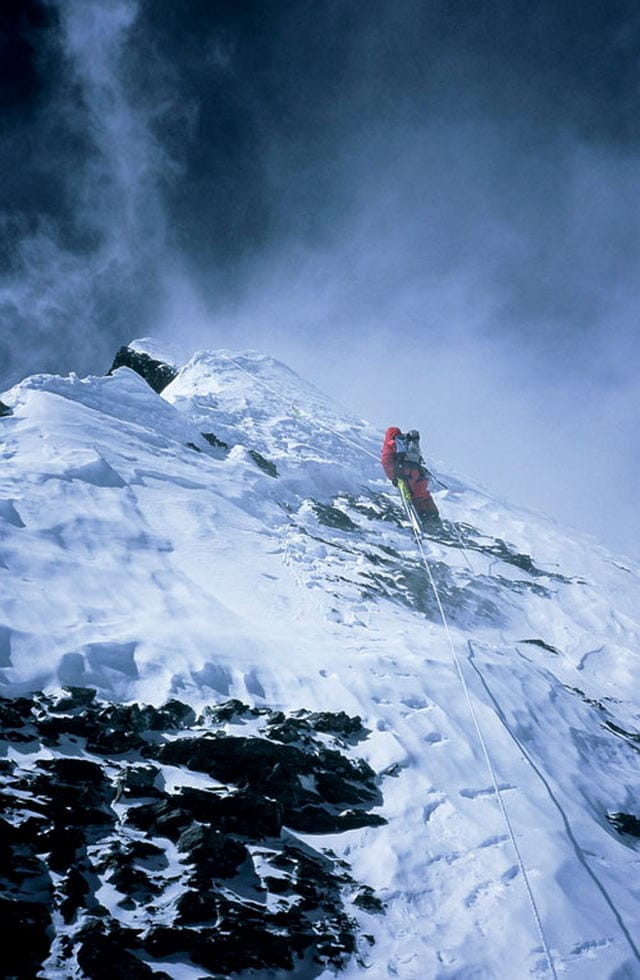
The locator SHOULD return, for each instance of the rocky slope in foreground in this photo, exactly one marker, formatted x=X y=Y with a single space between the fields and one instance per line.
x=132 y=835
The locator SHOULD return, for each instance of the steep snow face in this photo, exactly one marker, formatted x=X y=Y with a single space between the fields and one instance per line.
x=254 y=400
x=270 y=562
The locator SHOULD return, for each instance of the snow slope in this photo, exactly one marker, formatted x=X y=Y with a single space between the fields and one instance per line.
x=139 y=558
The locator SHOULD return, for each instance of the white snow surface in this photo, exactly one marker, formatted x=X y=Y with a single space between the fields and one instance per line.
x=137 y=565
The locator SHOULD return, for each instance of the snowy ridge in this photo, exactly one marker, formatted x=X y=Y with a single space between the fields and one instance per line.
x=258 y=401
x=144 y=560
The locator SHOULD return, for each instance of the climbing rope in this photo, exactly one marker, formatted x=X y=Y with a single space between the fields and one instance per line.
x=339 y=435
x=485 y=751
x=580 y=855
x=462 y=547
x=418 y=539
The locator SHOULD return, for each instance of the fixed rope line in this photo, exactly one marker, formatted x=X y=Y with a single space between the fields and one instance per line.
x=339 y=435
x=485 y=752
x=418 y=539
x=462 y=547
x=580 y=854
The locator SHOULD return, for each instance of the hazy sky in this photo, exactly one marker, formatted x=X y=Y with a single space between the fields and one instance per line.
x=431 y=209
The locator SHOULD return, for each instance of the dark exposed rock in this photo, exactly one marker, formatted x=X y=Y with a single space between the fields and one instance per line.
x=337 y=723
x=228 y=711
x=133 y=881
x=20 y=866
x=599 y=705
x=255 y=947
x=74 y=699
x=172 y=715
x=242 y=812
x=225 y=758
x=103 y=954
x=144 y=850
x=114 y=741
x=76 y=785
x=301 y=726
x=61 y=843
x=245 y=894
x=266 y=465
x=195 y=906
x=132 y=851
x=52 y=727
x=77 y=889
x=633 y=737
x=22 y=706
x=166 y=818
x=27 y=894
x=14 y=713
x=310 y=875
x=239 y=812
x=135 y=718
x=214 y=854
x=122 y=869
x=157 y=374
x=28 y=934
x=333 y=517
x=273 y=770
x=214 y=441
x=542 y=645
x=290 y=730
x=367 y=900
x=320 y=820
x=118 y=729
x=625 y=823
x=164 y=941
x=5 y=410
x=140 y=780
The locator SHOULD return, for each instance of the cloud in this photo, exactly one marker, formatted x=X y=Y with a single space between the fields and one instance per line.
x=82 y=274
x=484 y=289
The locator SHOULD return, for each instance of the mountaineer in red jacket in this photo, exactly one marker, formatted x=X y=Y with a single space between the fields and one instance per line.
x=402 y=459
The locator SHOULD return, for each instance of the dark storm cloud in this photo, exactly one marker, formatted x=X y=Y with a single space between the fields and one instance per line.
x=393 y=145
x=81 y=222
x=440 y=193
x=294 y=102
x=265 y=120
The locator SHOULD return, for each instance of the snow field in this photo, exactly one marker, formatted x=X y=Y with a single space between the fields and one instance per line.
x=146 y=569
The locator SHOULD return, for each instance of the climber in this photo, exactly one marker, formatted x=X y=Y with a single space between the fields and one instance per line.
x=402 y=460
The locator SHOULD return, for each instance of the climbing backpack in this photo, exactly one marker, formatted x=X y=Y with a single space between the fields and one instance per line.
x=408 y=447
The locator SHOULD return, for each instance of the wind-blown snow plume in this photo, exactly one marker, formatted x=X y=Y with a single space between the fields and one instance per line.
x=118 y=191
x=78 y=279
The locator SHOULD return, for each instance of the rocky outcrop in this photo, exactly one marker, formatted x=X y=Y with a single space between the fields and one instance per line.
x=133 y=834
x=157 y=374
x=5 y=410
x=266 y=465
x=213 y=440
x=625 y=823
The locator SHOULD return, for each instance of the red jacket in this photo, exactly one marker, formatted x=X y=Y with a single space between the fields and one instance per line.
x=414 y=474
x=389 y=450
